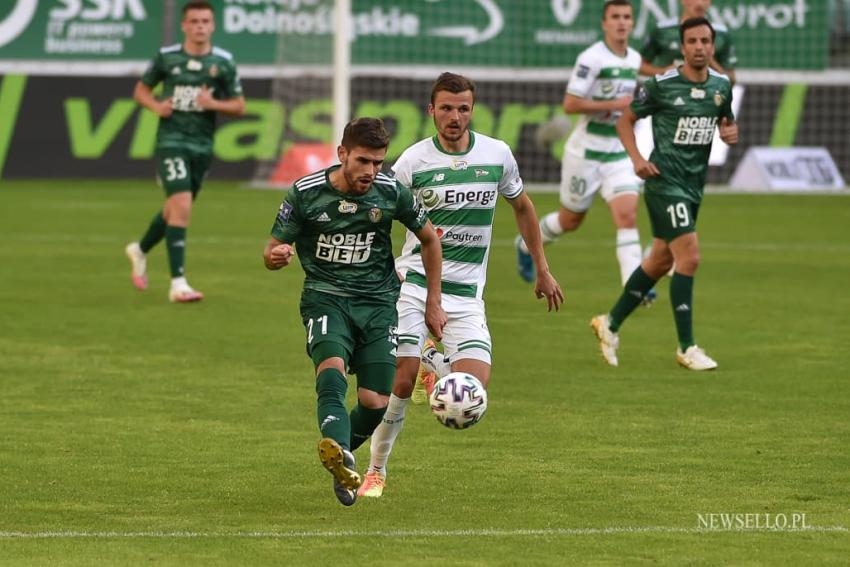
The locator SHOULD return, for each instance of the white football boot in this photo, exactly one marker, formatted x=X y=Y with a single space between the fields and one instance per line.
x=139 y=262
x=695 y=358
x=609 y=342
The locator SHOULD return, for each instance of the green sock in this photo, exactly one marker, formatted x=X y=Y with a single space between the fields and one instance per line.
x=331 y=386
x=155 y=232
x=682 y=300
x=638 y=284
x=175 y=239
x=363 y=422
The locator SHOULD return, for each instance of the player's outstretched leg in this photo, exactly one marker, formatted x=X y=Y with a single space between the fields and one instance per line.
x=694 y=358
x=425 y=379
x=340 y=463
x=609 y=342
x=139 y=263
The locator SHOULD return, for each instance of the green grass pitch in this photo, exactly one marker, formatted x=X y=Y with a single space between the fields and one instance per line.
x=133 y=431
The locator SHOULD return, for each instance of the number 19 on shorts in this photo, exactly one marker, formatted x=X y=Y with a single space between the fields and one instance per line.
x=679 y=215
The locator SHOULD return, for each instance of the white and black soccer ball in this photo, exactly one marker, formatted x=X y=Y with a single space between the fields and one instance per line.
x=458 y=400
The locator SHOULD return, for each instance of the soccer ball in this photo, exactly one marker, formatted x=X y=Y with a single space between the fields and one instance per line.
x=458 y=400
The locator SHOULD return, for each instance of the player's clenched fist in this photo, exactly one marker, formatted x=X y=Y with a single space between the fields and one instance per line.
x=279 y=256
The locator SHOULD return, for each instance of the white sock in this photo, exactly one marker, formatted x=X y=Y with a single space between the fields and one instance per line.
x=435 y=362
x=628 y=252
x=385 y=434
x=179 y=282
x=550 y=230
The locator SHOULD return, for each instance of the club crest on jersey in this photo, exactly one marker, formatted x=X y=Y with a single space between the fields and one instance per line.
x=429 y=197
x=214 y=71
x=194 y=65
x=375 y=214
x=607 y=87
x=346 y=207
x=459 y=165
x=718 y=99
x=697 y=93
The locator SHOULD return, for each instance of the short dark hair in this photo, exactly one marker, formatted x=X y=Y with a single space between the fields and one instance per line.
x=365 y=133
x=452 y=83
x=694 y=23
x=197 y=5
x=615 y=3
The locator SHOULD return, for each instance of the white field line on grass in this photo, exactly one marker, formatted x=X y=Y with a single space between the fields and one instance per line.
x=482 y=532
x=781 y=247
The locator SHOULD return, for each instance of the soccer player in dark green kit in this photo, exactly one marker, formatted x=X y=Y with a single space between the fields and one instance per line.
x=661 y=50
x=686 y=105
x=340 y=221
x=198 y=80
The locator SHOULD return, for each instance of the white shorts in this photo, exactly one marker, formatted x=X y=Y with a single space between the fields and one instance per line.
x=465 y=335
x=581 y=178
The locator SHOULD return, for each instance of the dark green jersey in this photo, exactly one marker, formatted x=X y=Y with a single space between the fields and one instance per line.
x=182 y=76
x=663 y=48
x=344 y=241
x=684 y=117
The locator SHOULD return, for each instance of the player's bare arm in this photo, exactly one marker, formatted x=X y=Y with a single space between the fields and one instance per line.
x=143 y=94
x=432 y=261
x=626 y=131
x=648 y=69
x=278 y=254
x=232 y=107
x=728 y=131
x=579 y=105
x=529 y=227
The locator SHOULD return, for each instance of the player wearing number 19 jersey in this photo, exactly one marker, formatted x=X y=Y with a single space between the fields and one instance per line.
x=686 y=105
x=198 y=80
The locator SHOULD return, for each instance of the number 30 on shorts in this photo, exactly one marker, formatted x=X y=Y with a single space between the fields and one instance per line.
x=679 y=215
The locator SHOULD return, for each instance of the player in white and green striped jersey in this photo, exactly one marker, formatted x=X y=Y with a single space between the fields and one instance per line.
x=601 y=86
x=458 y=176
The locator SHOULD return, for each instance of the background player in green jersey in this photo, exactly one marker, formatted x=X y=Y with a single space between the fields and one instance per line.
x=198 y=80
x=686 y=105
x=662 y=51
x=340 y=221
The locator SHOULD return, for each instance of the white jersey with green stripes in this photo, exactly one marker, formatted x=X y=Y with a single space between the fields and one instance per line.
x=601 y=74
x=460 y=192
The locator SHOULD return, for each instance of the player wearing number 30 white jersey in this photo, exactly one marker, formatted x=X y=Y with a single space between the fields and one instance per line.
x=600 y=88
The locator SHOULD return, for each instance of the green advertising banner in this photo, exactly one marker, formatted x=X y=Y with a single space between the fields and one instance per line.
x=778 y=34
x=786 y=34
x=79 y=29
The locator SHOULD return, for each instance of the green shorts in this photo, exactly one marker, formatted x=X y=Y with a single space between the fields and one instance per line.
x=670 y=216
x=361 y=330
x=181 y=170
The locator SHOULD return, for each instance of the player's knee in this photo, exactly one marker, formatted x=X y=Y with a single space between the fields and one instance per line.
x=625 y=219
x=371 y=399
x=688 y=264
x=569 y=220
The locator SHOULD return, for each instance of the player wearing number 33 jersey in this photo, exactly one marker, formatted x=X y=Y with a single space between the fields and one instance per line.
x=198 y=81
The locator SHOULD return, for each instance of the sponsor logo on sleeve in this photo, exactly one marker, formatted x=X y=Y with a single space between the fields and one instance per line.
x=284 y=212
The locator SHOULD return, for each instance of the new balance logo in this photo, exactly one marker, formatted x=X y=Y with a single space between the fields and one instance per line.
x=327 y=420
x=636 y=293
x=179 y=244
x=678 y=101
x=175 y=71
x=323 y=218
x=683 y=307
